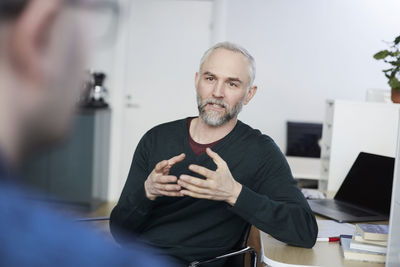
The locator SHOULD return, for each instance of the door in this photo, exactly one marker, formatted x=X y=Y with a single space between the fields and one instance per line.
x=166 y=41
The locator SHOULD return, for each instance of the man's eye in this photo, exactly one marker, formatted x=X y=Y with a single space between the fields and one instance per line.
x=210 y=78
x=233 y=84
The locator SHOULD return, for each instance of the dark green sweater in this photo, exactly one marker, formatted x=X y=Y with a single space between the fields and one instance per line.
x=194 y=229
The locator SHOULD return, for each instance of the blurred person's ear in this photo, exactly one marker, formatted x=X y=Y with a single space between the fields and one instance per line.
x=30 y=37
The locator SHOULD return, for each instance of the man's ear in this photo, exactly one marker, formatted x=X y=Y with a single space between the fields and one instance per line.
x=252 y=91
x=30 y=36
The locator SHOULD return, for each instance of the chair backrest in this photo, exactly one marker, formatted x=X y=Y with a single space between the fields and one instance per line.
x=254 y=241
x=239 y=260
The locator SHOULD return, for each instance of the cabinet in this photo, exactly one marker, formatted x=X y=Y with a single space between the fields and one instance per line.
x=76 y=171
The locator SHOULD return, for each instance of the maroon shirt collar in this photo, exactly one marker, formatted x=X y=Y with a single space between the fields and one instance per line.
x=197 y=148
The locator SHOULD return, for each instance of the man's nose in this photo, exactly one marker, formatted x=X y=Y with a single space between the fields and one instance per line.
x=219 y=90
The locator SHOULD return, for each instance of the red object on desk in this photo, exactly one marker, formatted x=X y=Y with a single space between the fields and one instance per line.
x=334 y=239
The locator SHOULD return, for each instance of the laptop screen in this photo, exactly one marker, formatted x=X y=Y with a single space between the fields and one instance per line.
x=369 y=183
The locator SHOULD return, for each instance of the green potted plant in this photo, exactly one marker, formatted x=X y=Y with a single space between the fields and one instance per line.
x=392 y=57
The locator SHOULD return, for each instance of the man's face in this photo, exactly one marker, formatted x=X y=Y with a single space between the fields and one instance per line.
x=222 y=86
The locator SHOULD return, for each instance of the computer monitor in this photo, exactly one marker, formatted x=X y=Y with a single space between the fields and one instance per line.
x=393 y=254
x=303 y=139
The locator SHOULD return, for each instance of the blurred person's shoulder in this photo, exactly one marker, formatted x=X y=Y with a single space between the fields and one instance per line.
x=32 y=234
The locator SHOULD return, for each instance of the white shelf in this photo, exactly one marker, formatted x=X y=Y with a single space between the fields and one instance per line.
x=305 y=168
x=350 y=128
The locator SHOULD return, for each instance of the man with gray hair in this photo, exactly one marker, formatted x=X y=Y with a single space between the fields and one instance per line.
x=196 y=183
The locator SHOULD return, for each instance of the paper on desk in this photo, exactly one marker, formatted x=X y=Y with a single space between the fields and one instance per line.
x=330 y=228
x=273 y=263
x=313 y=194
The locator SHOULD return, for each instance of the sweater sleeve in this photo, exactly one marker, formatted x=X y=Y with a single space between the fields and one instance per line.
x=278 y=207
x=133 y=206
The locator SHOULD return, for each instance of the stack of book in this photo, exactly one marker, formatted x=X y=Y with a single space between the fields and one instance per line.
x=369 y=243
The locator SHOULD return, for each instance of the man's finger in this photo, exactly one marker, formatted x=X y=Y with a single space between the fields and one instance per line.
x=161 y=165
x=176 y=159
x=201 y=170
x=164 y=179
x=194 y=188
x=194 y=181
x=167 y=187
x=171 y=194
x=195 y=195
x=215 y=157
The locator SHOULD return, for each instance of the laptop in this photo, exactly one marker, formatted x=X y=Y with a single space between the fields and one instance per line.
x=365 y=193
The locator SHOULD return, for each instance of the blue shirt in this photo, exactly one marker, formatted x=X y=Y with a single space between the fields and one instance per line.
x=34 y=235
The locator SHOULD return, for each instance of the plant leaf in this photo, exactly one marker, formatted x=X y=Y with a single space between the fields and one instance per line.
x=397 y=40
x=394 y=63
x=381 y=54
x=394 y=83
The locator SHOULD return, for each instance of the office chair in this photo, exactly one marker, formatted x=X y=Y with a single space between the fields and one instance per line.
x=235 y=258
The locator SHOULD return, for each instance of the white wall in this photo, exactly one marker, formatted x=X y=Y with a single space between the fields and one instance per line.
x=307 y=51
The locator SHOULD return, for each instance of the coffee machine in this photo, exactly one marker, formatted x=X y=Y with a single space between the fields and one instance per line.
x=95 y=94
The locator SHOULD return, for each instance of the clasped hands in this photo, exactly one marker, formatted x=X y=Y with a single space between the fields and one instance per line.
x=219 y=184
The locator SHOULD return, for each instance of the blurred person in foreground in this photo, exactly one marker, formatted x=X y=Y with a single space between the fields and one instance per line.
x=42 y=54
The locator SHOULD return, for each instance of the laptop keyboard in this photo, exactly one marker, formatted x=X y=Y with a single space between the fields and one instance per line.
x=344 y=208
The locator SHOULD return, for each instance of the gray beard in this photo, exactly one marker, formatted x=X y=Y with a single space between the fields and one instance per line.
x=213 y=118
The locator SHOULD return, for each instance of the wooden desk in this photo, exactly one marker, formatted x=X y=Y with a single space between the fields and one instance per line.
x=322 y=254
